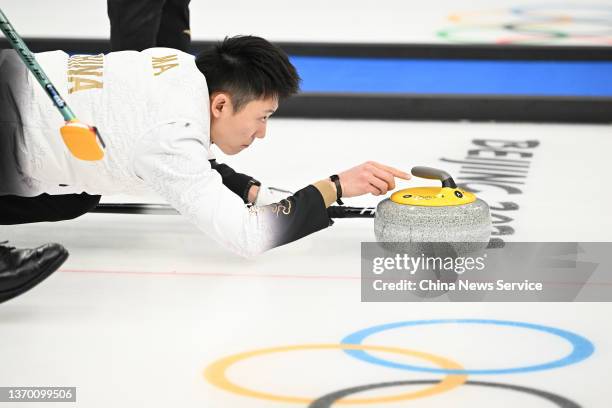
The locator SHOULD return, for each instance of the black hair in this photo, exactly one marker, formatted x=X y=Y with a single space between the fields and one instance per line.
x=248 y=68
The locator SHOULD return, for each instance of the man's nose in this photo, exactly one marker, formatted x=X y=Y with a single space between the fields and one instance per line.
x=261 y=132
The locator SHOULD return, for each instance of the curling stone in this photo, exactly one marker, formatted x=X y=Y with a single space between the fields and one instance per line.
x=433 y=214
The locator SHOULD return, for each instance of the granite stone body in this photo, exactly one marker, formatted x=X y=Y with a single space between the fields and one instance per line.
x=469 y=226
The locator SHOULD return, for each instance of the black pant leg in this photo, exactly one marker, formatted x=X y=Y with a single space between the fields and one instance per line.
x=45 y=207
x=134 y=23
x=174 y=31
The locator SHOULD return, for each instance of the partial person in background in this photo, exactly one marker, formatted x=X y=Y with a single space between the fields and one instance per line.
x=141 y=24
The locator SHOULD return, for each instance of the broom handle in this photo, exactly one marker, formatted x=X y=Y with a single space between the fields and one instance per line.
x=28 y=58
x=335 y=211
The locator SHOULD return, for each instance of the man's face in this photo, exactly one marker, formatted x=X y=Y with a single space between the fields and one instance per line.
x=234 y=131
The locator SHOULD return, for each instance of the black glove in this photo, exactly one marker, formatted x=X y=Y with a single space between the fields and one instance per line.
x=239 y=183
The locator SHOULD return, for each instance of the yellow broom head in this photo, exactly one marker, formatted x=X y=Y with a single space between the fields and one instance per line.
x=83 y=141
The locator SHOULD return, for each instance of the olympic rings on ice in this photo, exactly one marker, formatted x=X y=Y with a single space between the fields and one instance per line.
x=559 y=24
x=455 y=374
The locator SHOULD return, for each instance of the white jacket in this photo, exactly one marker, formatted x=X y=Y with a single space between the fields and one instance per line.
x=152 y=110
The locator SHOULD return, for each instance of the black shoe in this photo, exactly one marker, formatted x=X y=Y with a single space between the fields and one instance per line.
x=22 y=269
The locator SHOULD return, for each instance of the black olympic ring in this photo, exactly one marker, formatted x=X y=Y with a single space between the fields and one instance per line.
x=543 y=27
x=328 y=400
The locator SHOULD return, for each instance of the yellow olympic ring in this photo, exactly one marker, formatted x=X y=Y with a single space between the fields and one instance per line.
x=216 y=373
x=461 y=17
x=505 y=16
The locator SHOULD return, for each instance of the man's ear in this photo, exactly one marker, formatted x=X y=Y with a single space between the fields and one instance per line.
x=219 y=104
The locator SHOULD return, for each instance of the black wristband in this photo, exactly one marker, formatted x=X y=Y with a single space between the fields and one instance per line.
x=336 y=180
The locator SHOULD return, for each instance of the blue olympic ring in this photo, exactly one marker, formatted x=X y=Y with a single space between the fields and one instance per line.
x=526 y=10
x=581 y=347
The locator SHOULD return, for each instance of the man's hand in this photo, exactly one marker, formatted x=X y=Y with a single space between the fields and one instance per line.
x=370 y=177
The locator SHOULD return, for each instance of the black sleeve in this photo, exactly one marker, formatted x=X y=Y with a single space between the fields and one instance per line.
x=292 y=218
x=238 y=183
x=297 y=216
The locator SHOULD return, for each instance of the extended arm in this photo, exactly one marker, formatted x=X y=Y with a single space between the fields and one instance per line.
x=173 y=161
